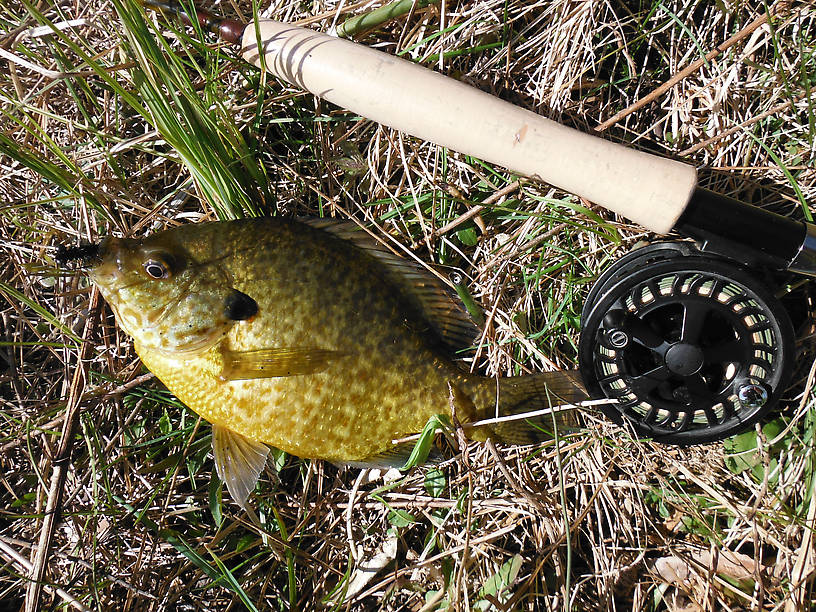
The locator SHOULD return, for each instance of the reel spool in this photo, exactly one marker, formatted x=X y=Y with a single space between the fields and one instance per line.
x=693 y=346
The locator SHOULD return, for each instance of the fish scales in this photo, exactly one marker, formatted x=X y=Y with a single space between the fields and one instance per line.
x=308 y=337
x=312 y=290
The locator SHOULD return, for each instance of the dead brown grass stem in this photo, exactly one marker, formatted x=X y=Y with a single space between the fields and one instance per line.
x=727 y=503
x=527 y=246
x=349 y=513
x=61 y=462
x=803 y=568
x=513 y=481
x=99 y=395
x=449 y=552
x=688 y=70
x=334 y=13
x=737 y=128
x=573 y=529
x=15 y=558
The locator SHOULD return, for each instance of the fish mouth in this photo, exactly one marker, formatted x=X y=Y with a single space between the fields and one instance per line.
x=105 y=267
x=87 y=255
x=116 y=273
x=99 y=260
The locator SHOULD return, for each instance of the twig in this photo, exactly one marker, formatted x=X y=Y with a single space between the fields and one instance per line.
x=522 y=590
x=553 y=231
x=739 y=128
x=349 y=509
x=60 y=464
x=727 y=503
x=115 y=580
x=491 y=199
x=431 y=604
x=123 y=388
x=334 y=13
x=447 y=552
x=6 y=545
x=18 y=441
x=802 y=571
x=12 y=556
x=513 y=481
x=101 y=394
x=691 y=68
x=51 y=74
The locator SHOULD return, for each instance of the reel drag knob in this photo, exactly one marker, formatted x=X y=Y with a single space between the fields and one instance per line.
x=693 y=346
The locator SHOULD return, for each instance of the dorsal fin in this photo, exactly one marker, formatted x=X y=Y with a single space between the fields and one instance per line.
x=438 y=303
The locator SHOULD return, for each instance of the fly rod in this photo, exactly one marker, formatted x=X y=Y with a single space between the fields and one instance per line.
x=657 y=193
x=723 y=352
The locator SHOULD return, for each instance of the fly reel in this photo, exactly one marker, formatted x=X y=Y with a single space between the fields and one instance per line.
x=693 y=346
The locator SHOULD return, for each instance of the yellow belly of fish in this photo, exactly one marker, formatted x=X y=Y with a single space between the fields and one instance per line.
x=347 y=412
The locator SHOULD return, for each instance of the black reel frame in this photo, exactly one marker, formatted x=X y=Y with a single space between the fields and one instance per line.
x=692 y=345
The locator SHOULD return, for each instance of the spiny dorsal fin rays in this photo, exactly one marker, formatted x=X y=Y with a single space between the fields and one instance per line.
x=439 y=304
x=238 y=462
x=274 y=362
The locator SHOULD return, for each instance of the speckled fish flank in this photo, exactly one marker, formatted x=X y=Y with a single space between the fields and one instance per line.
x=305 y=336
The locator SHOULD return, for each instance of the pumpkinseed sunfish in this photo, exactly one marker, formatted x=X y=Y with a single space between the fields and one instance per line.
x=308 y=336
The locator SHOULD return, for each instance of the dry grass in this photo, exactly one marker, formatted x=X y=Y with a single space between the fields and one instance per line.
x=598 y=522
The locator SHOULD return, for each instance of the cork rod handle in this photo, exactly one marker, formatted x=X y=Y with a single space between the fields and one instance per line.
x=649 y=190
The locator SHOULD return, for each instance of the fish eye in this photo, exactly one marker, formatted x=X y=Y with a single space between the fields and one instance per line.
x=156 y=268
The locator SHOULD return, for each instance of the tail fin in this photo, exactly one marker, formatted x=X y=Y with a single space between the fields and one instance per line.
x=519 y=395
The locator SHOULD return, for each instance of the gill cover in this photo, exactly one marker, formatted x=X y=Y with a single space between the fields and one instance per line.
x=164 y=297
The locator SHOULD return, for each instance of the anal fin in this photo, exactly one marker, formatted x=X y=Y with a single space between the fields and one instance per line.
x=395 y=457
x=238 y=462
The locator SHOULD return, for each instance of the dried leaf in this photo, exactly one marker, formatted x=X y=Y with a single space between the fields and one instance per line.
x=370 y=567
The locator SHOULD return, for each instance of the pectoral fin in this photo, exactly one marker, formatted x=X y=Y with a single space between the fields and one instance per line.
x=238 y=462
x=271 y=363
